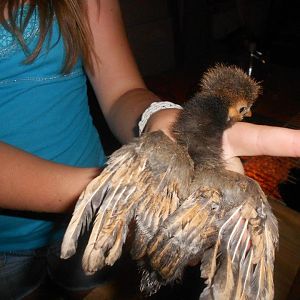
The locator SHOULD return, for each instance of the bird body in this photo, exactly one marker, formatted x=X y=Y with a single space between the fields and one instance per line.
x=185 y=204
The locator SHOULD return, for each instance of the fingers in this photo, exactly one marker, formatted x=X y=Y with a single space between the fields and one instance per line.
x=250 y=139
x=234 y=164
x=163 y=120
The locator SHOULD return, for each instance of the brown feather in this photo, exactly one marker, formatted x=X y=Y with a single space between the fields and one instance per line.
x=134 y=184
x=186 y=206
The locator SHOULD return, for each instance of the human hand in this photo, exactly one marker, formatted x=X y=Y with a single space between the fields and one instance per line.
x=163 y=120
x=240 y=139
x=251 y=140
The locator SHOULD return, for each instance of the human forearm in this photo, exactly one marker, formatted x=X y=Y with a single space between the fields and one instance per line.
x=116 y=80
x=31 y=183
x=124 y=115
x=250 y=139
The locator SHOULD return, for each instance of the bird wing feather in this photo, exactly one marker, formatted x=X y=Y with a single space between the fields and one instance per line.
x=134 y=177
x=92 y=198
x=230 y=228
x=240 y=265
x=164 y=198
x=183 y=234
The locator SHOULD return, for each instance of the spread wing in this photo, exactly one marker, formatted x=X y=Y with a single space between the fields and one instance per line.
x=240 y=264
x=229 y=227
x=138 y=177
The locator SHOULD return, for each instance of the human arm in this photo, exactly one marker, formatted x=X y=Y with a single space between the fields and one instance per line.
x=117 y=83
x=28 y=182
x=123 y=95
x=244 y=139
x=251 y=140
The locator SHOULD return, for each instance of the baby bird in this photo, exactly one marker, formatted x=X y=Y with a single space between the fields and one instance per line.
x=185 y=204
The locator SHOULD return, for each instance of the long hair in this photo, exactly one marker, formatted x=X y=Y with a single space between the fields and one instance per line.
x=72 y=19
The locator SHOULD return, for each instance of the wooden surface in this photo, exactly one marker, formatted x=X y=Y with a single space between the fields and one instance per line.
x=287 y=263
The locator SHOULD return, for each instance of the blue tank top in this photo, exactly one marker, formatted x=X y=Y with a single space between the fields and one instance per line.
x=45 y=113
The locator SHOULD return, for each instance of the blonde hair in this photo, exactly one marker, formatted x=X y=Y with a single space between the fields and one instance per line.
x=72 y=19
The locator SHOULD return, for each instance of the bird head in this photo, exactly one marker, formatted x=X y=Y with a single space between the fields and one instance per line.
x=233 y=86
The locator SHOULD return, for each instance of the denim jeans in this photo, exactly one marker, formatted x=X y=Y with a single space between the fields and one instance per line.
x=22 y=272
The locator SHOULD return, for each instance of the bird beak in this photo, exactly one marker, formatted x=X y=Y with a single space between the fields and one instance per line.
x=234 y=115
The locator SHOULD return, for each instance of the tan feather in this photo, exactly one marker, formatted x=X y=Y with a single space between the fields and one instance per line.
x=164 y=200
x=181 y=237
x=91 y=199
x=241 y=264
x=137 y=183
x=229 y=225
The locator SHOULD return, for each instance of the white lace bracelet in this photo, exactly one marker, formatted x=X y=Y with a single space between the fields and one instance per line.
x=153 y=108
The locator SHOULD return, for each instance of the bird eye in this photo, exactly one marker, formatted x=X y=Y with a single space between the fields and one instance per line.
x=242 y=109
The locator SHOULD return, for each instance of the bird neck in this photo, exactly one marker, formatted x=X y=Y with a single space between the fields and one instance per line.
x=200 y=128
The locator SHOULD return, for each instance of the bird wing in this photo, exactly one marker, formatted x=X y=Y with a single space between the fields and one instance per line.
x=229 y=226
x=240 y=264
x=134 y=174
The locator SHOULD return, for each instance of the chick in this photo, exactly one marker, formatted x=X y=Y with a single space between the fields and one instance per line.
x=185 y=204
x=226 y=222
